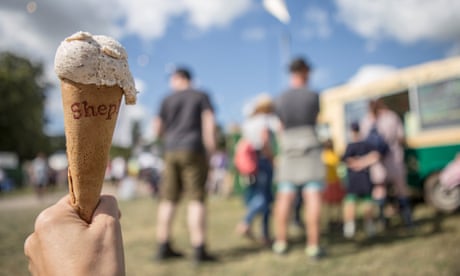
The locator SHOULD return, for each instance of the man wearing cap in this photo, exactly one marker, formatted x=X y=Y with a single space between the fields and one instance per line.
x=186 y=122
x=300 y=169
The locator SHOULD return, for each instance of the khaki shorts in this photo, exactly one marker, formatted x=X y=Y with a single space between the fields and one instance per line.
x=185 y=174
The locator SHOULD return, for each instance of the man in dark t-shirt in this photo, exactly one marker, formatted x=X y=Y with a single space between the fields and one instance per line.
x=186 y=122
x=297 y=107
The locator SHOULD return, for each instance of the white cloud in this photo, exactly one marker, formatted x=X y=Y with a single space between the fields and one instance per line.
x=371 y=72
x=148 y=19
x=205 y=14
x=318 y=23
x=406 y=21
x=254 y=34
x=38 y=34
x=35 y=29
x=41 y=31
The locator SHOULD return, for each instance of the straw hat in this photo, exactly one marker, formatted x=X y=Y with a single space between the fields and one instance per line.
x=263 y=104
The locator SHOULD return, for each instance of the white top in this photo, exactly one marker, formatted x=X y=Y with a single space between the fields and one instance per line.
x=254 y=127
x=98 y=59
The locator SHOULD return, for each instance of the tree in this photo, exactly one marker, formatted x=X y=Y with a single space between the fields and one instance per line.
x=22 y=94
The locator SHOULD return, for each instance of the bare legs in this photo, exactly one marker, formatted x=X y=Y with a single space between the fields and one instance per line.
x=283 y=205
x=284 y=201
x=166 y=211
x=349 y=216
x=312 y=200
x=196 y=219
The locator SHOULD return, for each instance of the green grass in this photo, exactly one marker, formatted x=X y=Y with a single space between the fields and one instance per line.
x=432 y=249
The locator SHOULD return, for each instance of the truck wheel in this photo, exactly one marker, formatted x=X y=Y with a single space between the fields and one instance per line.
x=446 y=200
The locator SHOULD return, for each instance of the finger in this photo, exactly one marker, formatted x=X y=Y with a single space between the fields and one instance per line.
x=107 y=207
x=30 y=250
x=28 y=245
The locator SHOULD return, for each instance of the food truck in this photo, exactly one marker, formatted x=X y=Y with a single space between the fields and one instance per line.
x=427 y=99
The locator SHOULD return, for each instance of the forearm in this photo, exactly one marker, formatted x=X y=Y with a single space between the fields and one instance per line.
x=360 y=163
x=370 y=159
x=209 y=130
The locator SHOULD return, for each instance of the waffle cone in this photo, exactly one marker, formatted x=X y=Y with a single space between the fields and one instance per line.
x=90 y=114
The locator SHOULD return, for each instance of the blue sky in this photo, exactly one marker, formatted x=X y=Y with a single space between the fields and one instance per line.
x=236 y=49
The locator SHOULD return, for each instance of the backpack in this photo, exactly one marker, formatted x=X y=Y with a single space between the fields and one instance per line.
x=377 y=141
x=245 y=158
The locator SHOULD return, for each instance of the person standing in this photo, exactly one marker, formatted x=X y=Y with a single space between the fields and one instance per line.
x=389 y=126
x=218 y=170
x=334 y=191
x=359 y=186
x=299 y=168
x=39 y=174
x=258 y=130
x=186 y=122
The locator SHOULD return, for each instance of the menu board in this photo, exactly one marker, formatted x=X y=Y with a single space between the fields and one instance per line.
x=439 y=104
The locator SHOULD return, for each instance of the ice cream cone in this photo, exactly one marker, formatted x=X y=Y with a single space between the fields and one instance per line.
x=94 y=75
x=90 y=114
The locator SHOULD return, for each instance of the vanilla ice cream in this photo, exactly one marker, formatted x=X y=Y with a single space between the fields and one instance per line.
x=95 y=59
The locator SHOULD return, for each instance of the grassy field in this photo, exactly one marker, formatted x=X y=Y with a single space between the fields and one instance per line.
x=432 y=249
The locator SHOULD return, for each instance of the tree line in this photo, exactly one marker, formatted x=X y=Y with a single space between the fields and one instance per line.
x=22 y=107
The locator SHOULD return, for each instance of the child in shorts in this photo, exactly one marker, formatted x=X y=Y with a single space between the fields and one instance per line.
x=359 y=187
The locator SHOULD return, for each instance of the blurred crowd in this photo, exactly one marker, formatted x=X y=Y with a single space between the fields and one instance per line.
x=41 y=173
x=275 y=160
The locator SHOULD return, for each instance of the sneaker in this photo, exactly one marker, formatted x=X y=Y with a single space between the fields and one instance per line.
x=349 y=229
x=279 y=247
x=315 y=252
x=165 y=251
x=201 y=255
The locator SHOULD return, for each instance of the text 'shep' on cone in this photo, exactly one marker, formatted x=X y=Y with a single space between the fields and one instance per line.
x=90 y=114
